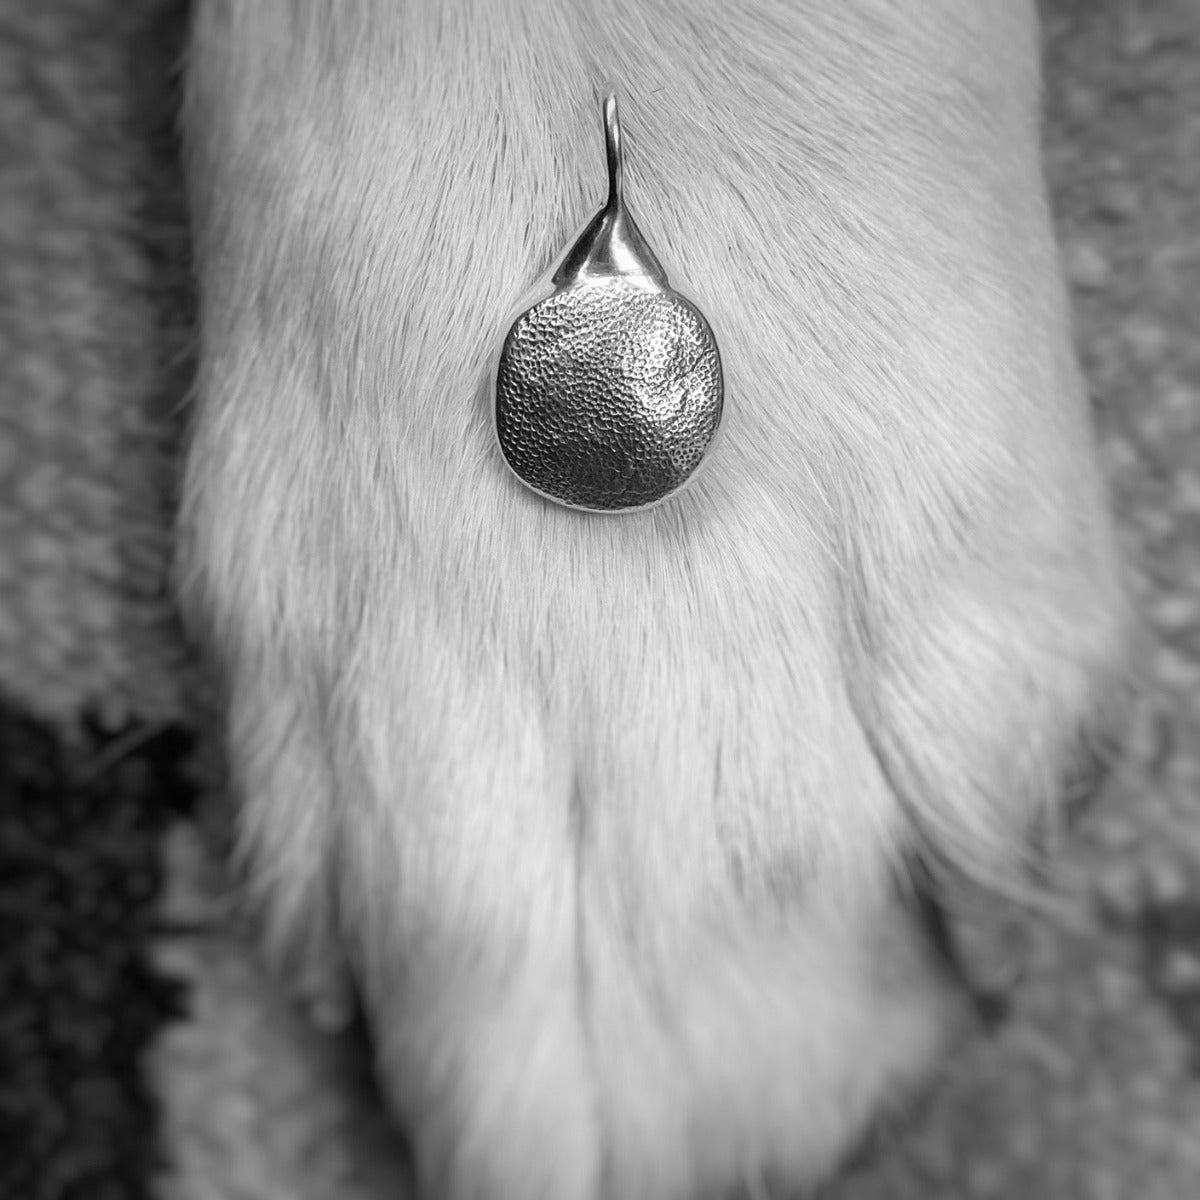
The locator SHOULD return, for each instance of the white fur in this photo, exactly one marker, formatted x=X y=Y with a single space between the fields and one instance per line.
x=608 y=812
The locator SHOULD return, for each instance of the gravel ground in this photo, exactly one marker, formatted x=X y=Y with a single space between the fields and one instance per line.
x=1090 y=1091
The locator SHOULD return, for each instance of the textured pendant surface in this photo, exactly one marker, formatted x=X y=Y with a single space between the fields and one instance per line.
x=609 y=391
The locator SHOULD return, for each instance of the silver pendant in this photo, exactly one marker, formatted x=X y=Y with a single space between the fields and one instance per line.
x=608 y=388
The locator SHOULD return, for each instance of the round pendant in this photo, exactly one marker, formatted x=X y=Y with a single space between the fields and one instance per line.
x=608 y=387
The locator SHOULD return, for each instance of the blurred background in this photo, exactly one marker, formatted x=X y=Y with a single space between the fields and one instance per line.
x=141 y=1052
